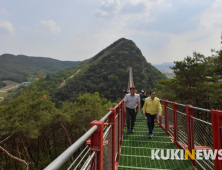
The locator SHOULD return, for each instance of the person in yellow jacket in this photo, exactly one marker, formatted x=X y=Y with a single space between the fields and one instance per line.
x=150 y=108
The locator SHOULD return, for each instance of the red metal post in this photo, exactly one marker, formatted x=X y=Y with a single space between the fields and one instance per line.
x=216 y=117
x=166 y=116
x=97 y=142
x=112 y=120
x=121 y=123
x=124 y=116
x=190 y=130
x=119 y=130
x=175 y=123
x=160 y=118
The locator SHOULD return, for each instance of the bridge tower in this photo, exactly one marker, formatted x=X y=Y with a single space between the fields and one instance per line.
x=130 y=83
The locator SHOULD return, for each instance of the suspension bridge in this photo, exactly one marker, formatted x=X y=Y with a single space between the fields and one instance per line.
x=108 y=146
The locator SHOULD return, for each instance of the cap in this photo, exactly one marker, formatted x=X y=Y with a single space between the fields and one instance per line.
x=142 y=91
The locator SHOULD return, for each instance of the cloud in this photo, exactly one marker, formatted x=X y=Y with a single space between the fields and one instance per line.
x=115 y=8
x=4 y=12
x=118 y=8
x=101 y=13
x=108 y=9
x=133 y=8
x=211 y=20
x=52 y=25
x=5 y=25
x=170 y=16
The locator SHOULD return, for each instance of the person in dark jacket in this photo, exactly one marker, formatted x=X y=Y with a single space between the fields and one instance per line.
x=142 y=98
x=125 y=91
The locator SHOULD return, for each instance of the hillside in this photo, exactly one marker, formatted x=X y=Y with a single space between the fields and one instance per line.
x=106 y=73
x=2 y=84
x=19 y=68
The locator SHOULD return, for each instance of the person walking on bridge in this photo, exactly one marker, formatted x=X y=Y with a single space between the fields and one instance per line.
x=136 y=107
x=150 y=108
x=131 y=100
x=143 y=97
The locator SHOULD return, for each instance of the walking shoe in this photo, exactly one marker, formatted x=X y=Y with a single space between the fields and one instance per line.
x=145 y=117
x=128 y=130
x=150 y=135
x=132 y=130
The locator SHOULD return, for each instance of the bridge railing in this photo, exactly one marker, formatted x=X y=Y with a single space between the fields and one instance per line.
x=193 y=128
x=99 y=147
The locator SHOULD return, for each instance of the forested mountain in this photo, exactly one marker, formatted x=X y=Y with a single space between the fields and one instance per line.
x=106 y=73
x=19 y=68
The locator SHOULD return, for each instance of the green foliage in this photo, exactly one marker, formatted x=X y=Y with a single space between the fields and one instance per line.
x=29 y=113
x=20 y=68
x=38 y=132
x=55 y=79
x=197 y=81
x=2 y=84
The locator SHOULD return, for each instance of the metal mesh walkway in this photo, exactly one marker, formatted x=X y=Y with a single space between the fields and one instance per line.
x=136 y=149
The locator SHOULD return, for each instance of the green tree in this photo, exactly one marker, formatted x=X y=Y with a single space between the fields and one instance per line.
x=33 y=132
x=190 y=76
x=2 y=84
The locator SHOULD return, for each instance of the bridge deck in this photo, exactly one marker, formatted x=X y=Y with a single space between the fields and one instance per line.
x=136 y=149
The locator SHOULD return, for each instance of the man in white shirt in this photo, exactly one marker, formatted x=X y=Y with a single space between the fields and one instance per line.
x=131 y=100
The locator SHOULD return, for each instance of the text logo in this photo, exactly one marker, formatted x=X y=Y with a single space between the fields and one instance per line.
x=180 y=154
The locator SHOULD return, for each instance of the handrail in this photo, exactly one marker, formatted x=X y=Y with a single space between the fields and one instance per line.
x=197 y=108
x=180 y=104
x=201 y=109
x=190 y=130
x=60 y=160
x=106 y=116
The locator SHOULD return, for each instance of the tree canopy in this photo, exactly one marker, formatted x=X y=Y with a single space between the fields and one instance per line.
x=197 y=81
x=33 y=132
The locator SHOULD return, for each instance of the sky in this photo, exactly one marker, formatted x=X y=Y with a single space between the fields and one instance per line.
x=75 y=30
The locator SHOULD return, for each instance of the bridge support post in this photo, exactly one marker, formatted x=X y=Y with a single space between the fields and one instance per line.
x=190 y=130
x=119 y=130
x=97 y=143
x=216 y=117
x=166 y=116
x=175 y=123
x=112 y=120
x=121 y=123
x=124 y=116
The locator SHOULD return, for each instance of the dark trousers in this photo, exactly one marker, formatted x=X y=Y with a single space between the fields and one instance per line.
x=150 y=122
x=130 y=115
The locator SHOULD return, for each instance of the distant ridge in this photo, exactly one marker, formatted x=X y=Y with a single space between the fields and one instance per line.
x=165 y=65
x=19 y=68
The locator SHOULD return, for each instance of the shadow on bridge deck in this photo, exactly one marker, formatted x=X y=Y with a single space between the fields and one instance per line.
x=136 y=149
